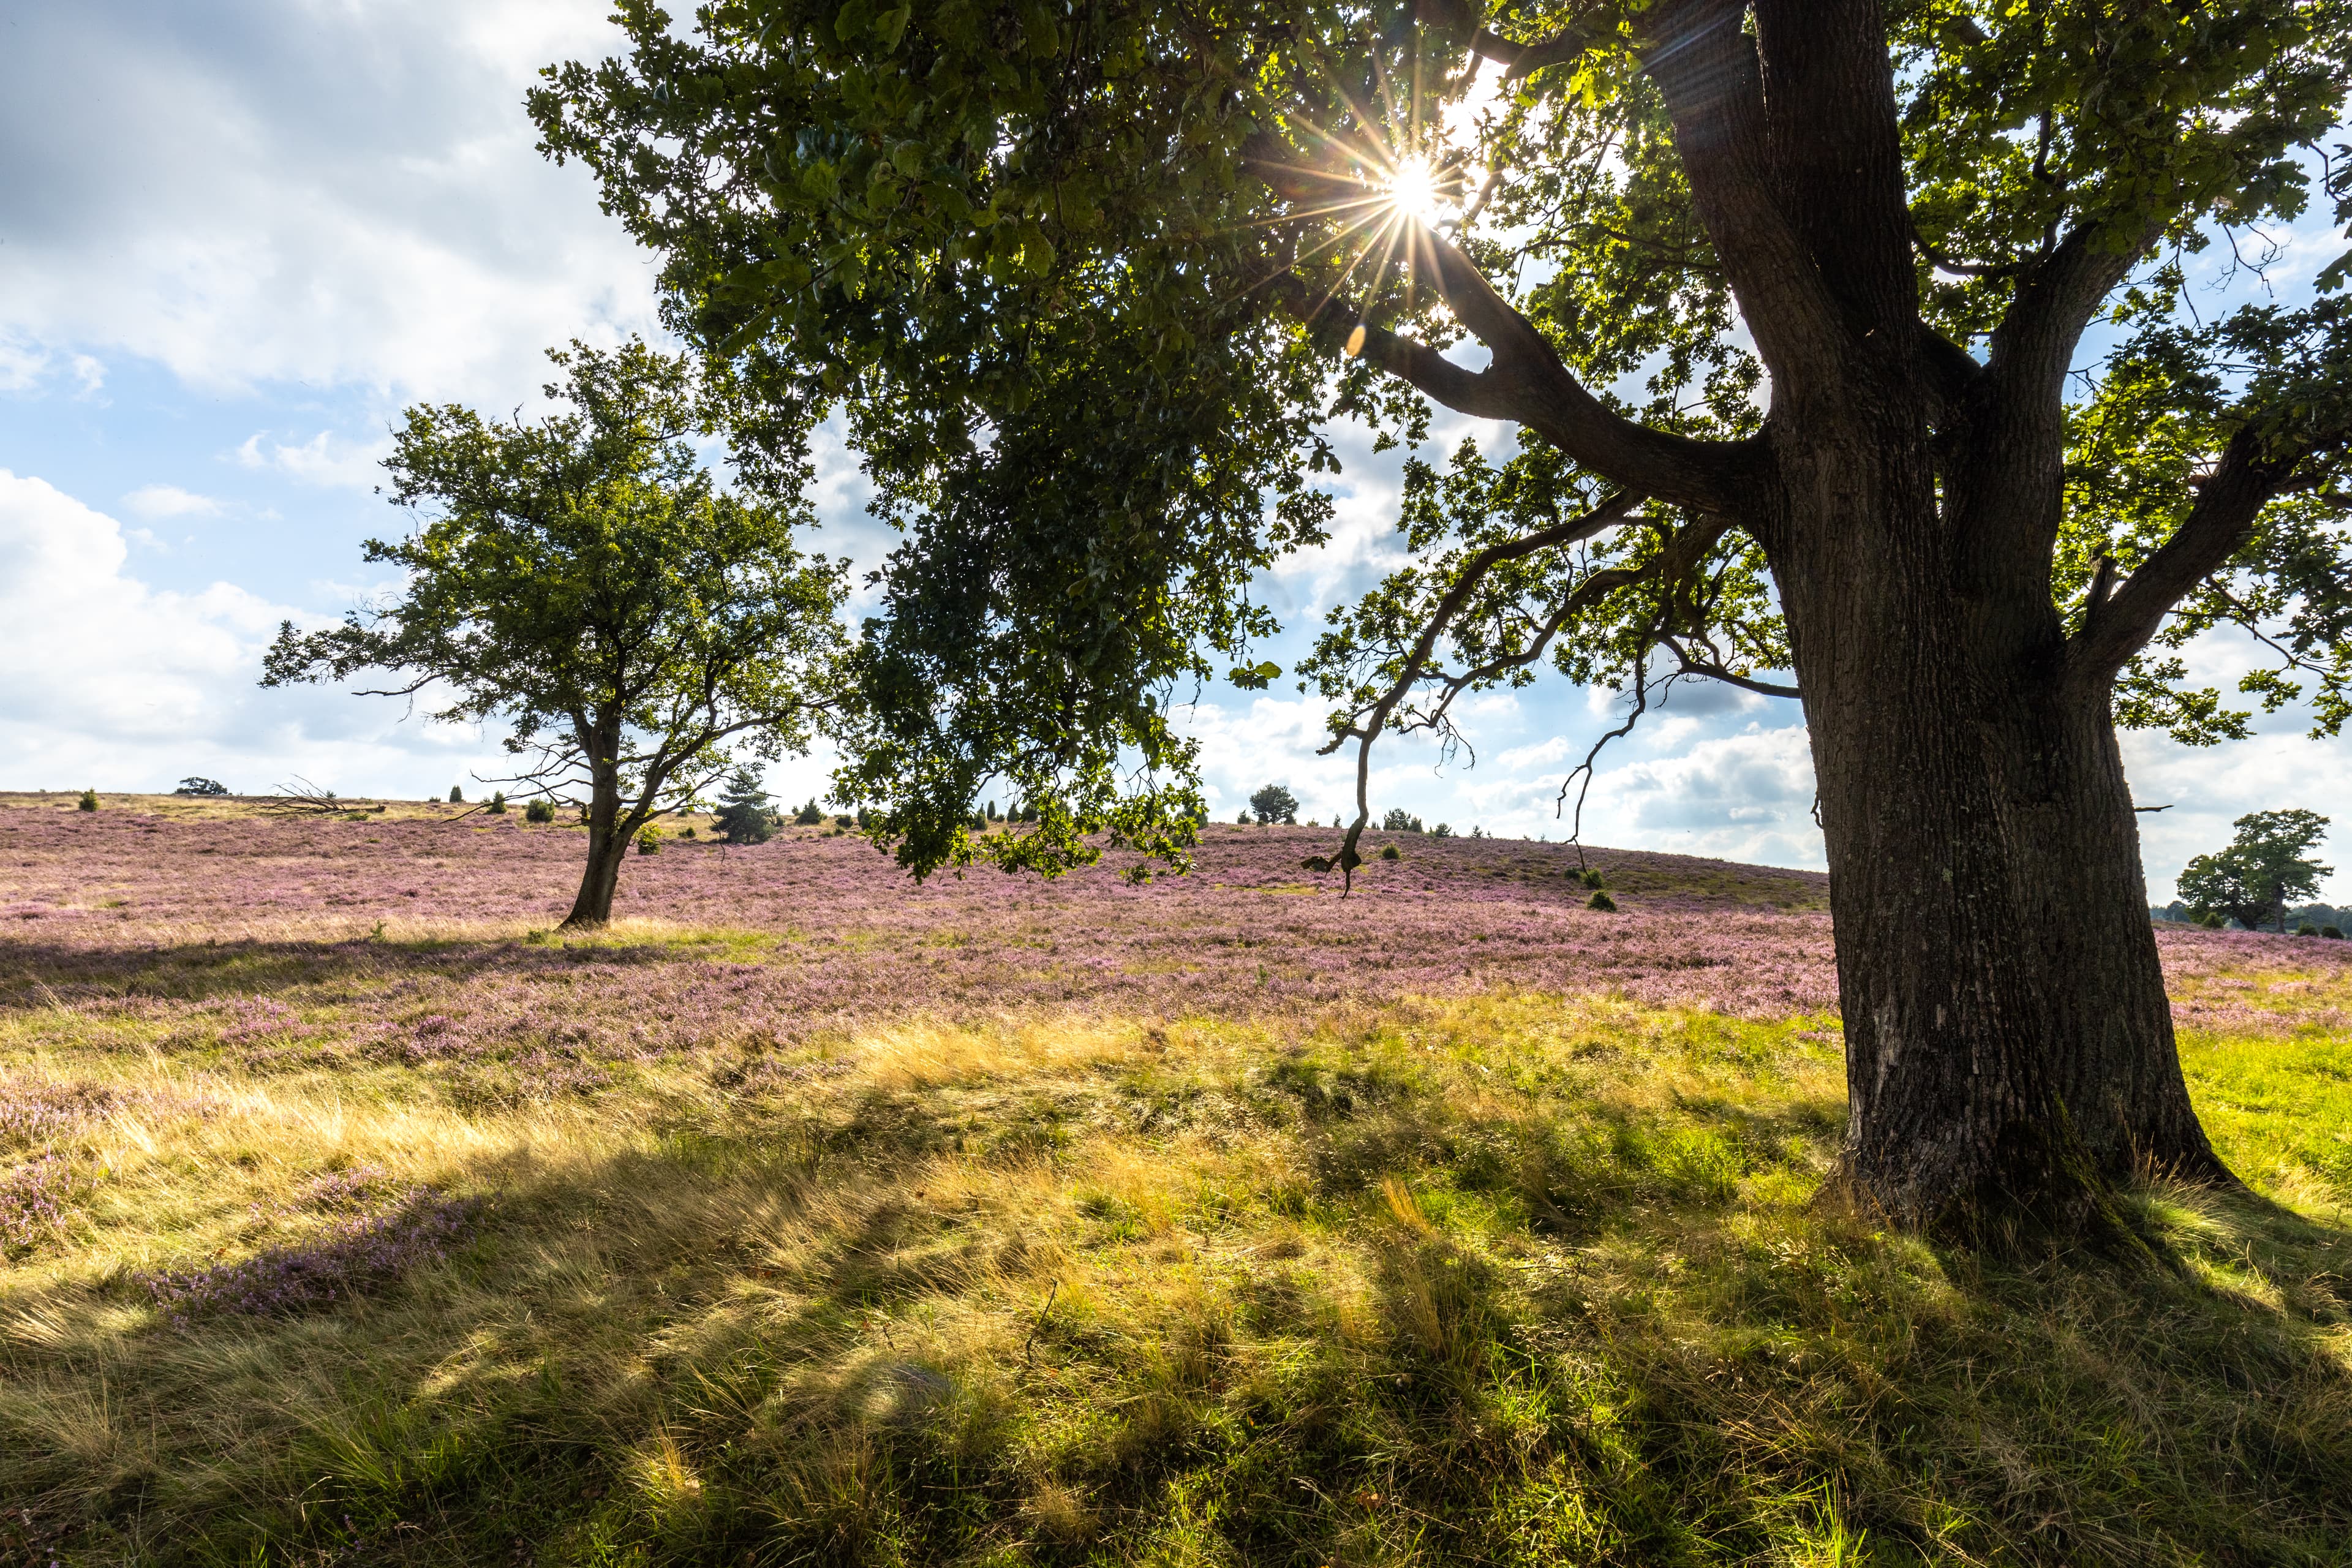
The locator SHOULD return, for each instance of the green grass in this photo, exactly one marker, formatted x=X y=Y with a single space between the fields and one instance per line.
x=1514 y=1280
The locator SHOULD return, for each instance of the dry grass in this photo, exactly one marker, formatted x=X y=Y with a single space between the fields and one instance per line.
x=1510 y=1279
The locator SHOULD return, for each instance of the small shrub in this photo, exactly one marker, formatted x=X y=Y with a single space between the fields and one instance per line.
x=197 y=785
x=810 y=815
x=89 y=801
x=842 y=820
x=498 y=806
x=1441 y=831
x=2306 y=929
x=2331 y=933
x=1391 y=852
x=456 y=795
x=648 y=839
x=539 y=810
x=687 y=832
x=1602 y=902
x=1589 y=877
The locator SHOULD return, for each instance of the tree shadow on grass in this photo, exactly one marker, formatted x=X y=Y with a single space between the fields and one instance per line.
x=36 y=975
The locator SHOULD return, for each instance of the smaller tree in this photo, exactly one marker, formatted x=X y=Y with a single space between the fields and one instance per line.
x=1274 y=803
x=193 y=784
x=743 y=815
x=1399 y=820
x=585 y=578
x=2264 y=866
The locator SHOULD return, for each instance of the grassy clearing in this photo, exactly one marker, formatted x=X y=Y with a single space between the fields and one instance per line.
x=1508 y=1279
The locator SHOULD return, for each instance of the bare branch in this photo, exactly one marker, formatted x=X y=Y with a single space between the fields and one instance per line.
x=1682 y=551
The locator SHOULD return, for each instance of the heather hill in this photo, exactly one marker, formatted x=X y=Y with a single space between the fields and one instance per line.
x=348 y=1213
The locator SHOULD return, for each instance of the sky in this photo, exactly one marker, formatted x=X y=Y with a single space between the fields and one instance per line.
x=236 y=239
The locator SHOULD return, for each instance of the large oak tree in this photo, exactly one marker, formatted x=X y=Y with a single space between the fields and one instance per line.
x=1788 y=304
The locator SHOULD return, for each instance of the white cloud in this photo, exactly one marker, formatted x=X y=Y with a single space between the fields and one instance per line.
x=98 y=652
x=156 y=502
x=264 y=190
x=120 y=684
x=1746 y=796
x=323 y=459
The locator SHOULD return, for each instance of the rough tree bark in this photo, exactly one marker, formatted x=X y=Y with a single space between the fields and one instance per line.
x=610 y=827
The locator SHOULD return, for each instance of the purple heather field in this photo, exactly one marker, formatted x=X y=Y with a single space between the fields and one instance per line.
x=417 y=936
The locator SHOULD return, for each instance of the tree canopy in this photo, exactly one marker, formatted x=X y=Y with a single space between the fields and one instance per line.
x=1130 y=247
x=2263 y=869
x=584 y=579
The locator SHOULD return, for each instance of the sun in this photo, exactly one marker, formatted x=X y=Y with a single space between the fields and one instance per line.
x=1412 y=190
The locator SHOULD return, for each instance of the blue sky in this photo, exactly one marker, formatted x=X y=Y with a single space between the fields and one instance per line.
x=236 y=238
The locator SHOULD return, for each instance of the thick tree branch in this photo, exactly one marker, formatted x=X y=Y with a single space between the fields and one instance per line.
x=1835 y=154
x=1526 y=385
x=2033 y=347
x=1464 y=18
x=1706 y=68
x=2218 y=524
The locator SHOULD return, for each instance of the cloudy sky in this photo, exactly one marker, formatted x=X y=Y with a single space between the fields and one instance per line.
x=236 y=238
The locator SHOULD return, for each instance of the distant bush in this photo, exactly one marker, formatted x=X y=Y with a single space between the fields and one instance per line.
x=1391 y=852
x=1441 y=831
x=743 y=815
x=193 y=784
x=648 y=839
x=2331 y=933
x=89 y=801
x=810 y=815
x=1602 y=902
x=1589 y=877
x=456 y=795
x=842 y=820
x=539 y=810
x=1399 y=820
x=498 y=806
x=2306 y=929
x=687 y=832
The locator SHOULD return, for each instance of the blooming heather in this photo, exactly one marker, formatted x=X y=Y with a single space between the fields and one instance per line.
x=157 y=922
x=35 y=1198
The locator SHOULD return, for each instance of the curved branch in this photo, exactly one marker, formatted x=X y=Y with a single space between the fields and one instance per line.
x=2033 y=347
x=2221 y=520
x=1528 y=384
x=1517 y=60
x=1694 y=667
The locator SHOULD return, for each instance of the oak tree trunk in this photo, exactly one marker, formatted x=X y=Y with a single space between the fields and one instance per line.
x=609 y=828
x=2009 y=1043
x=594 y=906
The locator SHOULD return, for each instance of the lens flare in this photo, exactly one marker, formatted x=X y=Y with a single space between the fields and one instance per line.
x=1414 y=191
